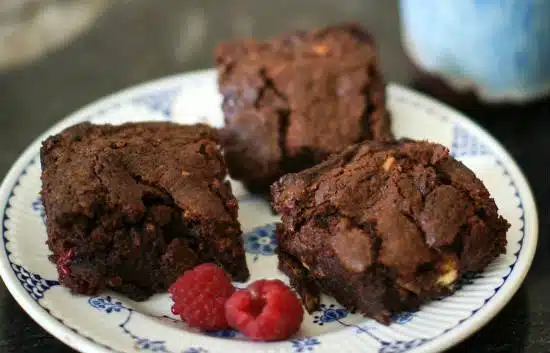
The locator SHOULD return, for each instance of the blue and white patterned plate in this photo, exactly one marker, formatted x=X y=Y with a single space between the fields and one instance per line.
x=110 y=322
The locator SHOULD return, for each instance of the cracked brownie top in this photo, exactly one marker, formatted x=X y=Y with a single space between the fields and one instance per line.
x=404 y=211
x=291 y=101
x=136 y=203
x=118 y=164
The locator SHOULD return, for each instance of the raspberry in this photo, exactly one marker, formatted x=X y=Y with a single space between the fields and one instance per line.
x=199 y=297
x=63 y=263
x=267 y=310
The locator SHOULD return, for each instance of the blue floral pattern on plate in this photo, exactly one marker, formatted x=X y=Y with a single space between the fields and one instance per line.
x=106 y=304
x=306 y=344
x=464 y=144
x=400 y=346
x=109 y=305
x=195 y=350
x=329 y=313
x=145 y=344
x=386 y=346
x=38 y=206
x=261 y=241
x=403 y=317
x=334 y=314
x=159 y=101
x=36 y=285
x=227 y=333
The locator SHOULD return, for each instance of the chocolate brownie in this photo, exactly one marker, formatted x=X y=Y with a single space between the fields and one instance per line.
x=384 y=226
x=292 y=101
x=131 y=207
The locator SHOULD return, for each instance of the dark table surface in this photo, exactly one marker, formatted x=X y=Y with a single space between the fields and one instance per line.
x=135 y=41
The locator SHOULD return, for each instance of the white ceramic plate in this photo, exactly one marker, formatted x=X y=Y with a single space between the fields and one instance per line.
x=110 y=322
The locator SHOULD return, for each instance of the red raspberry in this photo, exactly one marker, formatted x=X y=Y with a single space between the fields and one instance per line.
x=267 y=310
x=63 y=263
x=199 y=297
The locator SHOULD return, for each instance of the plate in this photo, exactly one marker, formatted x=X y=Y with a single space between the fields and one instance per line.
x=110 y=322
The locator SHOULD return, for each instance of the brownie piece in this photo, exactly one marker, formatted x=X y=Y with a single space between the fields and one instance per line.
x=384 y=226
x=292 y=101
x=131 y=207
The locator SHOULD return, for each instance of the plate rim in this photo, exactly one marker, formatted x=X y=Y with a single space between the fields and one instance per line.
x=455 y=335
x=526 y=254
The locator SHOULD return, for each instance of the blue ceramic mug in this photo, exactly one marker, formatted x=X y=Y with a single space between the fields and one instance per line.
x=500 y=48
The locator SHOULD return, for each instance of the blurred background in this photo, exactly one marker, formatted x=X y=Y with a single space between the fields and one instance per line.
x=58 y=55
x=167 y=33
x=31 y=28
